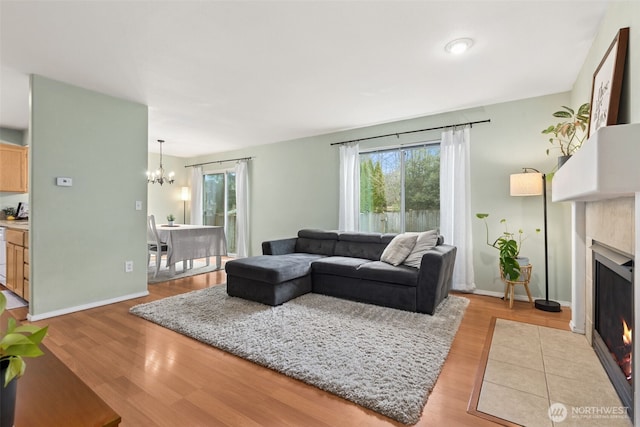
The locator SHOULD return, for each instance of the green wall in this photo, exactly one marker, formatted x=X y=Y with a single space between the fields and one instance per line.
x=82 y=235
x=294 y=184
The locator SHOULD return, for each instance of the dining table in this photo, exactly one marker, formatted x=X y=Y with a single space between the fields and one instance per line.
x=186 y=242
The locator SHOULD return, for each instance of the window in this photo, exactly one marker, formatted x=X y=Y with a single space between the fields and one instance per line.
x=400 y=189
x=219 y=204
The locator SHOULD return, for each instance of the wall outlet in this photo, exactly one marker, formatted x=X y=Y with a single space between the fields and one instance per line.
x=128 y=266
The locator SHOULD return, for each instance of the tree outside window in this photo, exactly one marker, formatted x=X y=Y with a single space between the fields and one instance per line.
x=400 y=189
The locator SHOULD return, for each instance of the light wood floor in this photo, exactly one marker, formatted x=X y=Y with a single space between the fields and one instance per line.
x=155 y=377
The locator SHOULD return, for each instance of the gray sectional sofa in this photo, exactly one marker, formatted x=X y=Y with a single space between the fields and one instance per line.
x=345 y=265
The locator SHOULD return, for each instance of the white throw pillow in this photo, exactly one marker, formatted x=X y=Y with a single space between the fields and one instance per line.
x=426 y=241
x=399 y=248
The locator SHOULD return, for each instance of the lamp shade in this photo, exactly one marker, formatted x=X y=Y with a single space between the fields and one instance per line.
x=184 y=195
x=526 y=184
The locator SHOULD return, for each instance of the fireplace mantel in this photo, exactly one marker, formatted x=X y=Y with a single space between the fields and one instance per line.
x=606 y=166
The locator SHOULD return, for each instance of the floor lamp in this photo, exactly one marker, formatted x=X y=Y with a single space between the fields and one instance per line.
x=184 y=196
x=531 y=182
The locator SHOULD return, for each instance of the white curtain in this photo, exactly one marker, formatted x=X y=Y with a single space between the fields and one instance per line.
x=242 y=208
x=196 y=195
x=349 y=205
x=455 y=206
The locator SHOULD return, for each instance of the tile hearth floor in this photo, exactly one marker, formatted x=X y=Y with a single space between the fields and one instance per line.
x=531 y=367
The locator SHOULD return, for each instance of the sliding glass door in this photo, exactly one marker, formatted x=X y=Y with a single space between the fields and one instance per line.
x=219 y=204
x=400 y=189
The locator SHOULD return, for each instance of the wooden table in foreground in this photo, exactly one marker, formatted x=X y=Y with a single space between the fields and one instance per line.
x=50 y=394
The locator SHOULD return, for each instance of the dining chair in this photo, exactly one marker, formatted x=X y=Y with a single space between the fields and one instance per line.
x=155 y=246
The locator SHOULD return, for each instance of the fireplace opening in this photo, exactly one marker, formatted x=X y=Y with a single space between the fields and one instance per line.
x=613 y=319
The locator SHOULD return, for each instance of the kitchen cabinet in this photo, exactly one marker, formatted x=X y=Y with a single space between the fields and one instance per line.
x=17 y=263
x=13 y=168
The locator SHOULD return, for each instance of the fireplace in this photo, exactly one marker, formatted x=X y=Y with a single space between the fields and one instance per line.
x=613 y=318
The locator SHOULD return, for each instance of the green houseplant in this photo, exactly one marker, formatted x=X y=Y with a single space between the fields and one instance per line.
x=570 y=133
x=16 y=343
x=508 y=245
x=171 y=218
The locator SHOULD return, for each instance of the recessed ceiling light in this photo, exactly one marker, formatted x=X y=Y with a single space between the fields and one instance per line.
x=458 y=46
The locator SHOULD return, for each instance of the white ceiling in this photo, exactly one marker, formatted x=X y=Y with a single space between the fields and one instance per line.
x=218 y=76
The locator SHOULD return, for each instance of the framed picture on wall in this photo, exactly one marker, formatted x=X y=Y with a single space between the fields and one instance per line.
x=607 y=84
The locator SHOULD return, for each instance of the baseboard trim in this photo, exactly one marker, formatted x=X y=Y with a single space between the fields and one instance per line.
x=55 y=313
x=516 y=297
x=576 y=329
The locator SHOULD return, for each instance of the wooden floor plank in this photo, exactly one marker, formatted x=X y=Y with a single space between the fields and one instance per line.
x=155 y=377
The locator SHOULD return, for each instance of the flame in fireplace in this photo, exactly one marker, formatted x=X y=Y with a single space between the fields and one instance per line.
x=626 y=334
x=626 y=363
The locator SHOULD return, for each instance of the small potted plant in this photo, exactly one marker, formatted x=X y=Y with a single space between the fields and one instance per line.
x=509 y=247
x=9 y=213
x=16 y=342
x=570 y=133
x=171 y=219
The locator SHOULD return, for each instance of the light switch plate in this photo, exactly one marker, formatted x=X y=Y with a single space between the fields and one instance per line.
x=138 y=205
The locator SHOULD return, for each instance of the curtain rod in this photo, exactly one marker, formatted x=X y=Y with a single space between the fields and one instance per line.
x=218 y=161
x=412 y=131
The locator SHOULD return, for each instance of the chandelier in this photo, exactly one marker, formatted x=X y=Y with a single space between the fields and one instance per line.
x=158 y=175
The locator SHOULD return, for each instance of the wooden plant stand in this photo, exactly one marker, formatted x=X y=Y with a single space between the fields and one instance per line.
x=523 y=279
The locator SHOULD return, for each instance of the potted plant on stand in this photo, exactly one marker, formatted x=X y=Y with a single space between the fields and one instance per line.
x=16 y=342
x=171 y=219
x=570 y=133
x=509 y=247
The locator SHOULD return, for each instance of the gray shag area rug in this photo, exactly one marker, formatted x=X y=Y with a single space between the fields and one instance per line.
x=383 y=359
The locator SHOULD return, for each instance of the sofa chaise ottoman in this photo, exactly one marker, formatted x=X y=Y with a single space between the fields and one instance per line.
x=345 y=265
